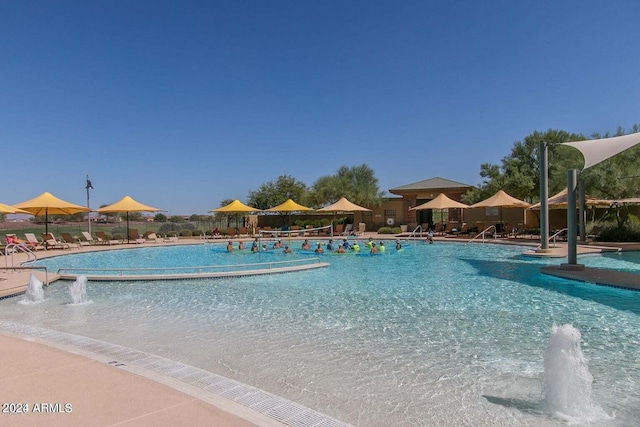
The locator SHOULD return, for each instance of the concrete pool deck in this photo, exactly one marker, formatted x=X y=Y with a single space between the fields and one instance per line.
x=102 y=394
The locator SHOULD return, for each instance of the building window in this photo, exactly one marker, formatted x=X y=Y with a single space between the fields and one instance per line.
x=389 y=213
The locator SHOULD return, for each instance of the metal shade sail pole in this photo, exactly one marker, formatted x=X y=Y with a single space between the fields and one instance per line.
x=544 y=195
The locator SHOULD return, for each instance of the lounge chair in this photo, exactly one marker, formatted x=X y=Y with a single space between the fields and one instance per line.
x=134 y=236
x=463 y=230
x=31 y=238
x=361 y=229
x=337 y=229
x=50 y=242
x=104 y=240
x=70 y=240
x=153 y=238
x=88 y=239
x=348 y=230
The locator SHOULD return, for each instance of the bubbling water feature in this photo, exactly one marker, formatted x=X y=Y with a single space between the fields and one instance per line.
x=78 y=291
x=34 y=293
x=567 y=380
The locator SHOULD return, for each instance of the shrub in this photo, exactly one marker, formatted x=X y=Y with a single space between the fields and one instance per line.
x=629 y=232
x=172 y=234
x=186 y=233
x=117 y=236
x=188 y=226
x=197 y=233
x=169 y=226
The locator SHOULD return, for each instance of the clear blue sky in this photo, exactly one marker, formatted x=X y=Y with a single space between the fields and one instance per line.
x=183 y=104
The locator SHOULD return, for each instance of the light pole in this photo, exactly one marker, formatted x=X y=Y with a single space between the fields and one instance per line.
x=88 y=187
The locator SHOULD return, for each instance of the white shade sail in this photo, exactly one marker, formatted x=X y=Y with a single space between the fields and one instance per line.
x=595 y=151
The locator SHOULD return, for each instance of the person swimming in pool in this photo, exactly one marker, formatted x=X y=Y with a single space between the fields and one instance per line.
x=241 y=245
x=287 y=249
x=381 y=247
x=229 y=246
x=345 y=244
x=254 y=247
x=398 y=245
x=341 y=250
x=277 y=244
x=355 y=247
x=370 y=243
x=319 y=249
x=305 y=245
x=374 y=249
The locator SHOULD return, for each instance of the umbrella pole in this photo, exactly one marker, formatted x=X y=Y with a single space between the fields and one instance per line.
x=46 y=220
x=128 y=227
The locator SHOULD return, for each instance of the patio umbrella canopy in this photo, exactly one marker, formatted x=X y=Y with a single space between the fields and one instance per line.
x=501 y=200
x=127 y=204
x=441 y=202
x=559 y=201
x=7 y=209
x=288 y=206
x=236 y=207
x=46 y=203
x=344 y=205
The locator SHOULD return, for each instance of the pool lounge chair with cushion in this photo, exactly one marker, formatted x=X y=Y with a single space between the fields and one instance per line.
x=104 y=240
x=50 y=242
x=348 y=230
x=31 y=238
x=135 y=237
x=361 y=229
x=88 y=239
x=70 y=240
x=153 y=238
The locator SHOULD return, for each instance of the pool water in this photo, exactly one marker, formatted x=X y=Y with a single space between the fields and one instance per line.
x=442 y=334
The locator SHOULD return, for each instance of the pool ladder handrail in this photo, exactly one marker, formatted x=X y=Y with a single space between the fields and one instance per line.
x=12 y=248
x=483 y=232
x=554 y=237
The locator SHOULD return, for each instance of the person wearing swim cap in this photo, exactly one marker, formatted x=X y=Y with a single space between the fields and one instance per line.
x=381 y=247
x=398 y=245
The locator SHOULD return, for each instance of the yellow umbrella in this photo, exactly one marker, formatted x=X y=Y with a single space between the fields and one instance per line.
x=235 y=207
x=441 y=202
x=6 y=209
x=127 y=204
x=288 y=206
x=46 y=204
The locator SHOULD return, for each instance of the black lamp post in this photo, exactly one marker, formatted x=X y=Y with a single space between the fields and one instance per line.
x=88 y=187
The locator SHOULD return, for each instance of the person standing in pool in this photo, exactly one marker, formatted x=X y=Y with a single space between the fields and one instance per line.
x=355 y=247
x=398 y=245
x=229 y=246
x=241 y=245
x=345 y=244
x=330 y=245
x=370 y=243
x=381 y=247
x=287 y=249
x=319 y=249
x=254 y=246
x=305 y=245
x=374 y=249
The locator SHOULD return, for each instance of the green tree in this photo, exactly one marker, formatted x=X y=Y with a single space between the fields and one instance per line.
x=273 y=193
x=160 y=217
x=357 y=183
x=519 y=175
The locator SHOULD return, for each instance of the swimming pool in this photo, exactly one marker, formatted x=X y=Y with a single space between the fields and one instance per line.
x=442 y=334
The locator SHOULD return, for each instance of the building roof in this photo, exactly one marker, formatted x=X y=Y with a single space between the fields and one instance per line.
x=431 y=184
